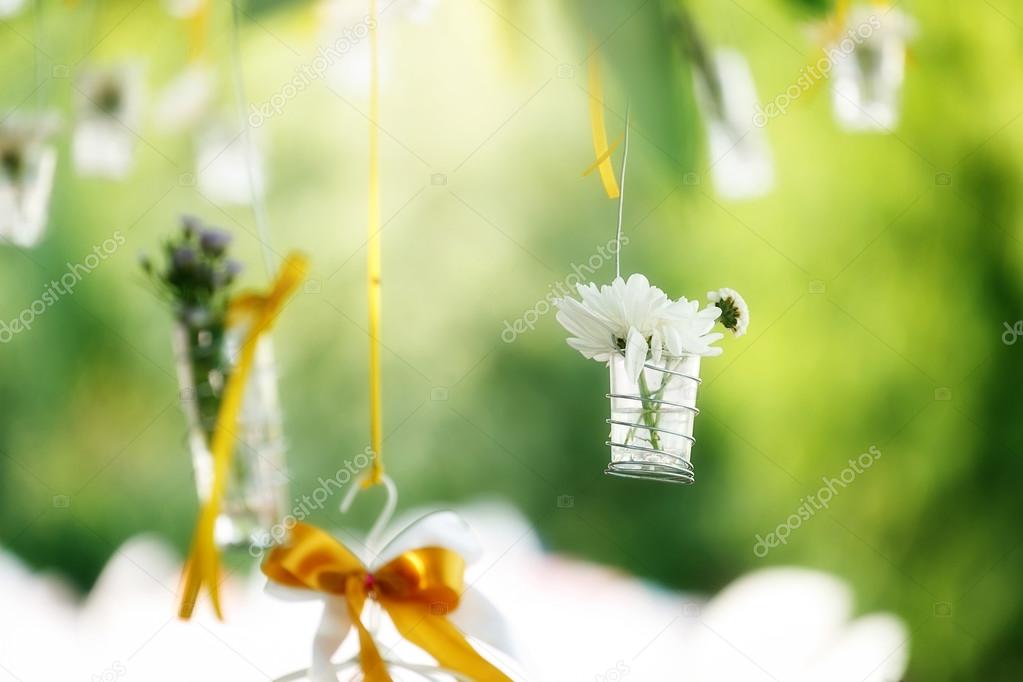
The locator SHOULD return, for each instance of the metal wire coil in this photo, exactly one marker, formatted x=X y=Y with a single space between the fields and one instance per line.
x=677 y=469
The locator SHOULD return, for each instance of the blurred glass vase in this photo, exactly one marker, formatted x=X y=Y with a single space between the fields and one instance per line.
x=28 y=160
x=108 y=106
x=741 y=163
x=256 y=488
x=652 y=418
x=869 y=63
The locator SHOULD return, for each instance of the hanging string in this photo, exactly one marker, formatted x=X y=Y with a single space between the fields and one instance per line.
x=373 y=257
x=603 y=151
x=41 y=78
x=621 y=198
x=259 y=209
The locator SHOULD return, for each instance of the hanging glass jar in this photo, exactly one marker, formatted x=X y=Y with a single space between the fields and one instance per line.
x=869 y=64
x=652 y=418
x=742 y=166
x=255 y=496
x=28 y=161
x=108 y=109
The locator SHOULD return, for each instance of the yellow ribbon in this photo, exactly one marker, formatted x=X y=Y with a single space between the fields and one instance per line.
x=376 y=429
x=417 y=590
x=603 y=157
x=197 y=30
x=599 y=130
x=203 y=565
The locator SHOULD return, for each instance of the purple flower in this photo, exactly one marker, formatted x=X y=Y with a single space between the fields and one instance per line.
x=214 y=242
x=183 y=258
x=190 y=225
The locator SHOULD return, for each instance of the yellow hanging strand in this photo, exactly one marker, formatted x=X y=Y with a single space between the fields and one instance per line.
x=373 y=257
x=599 y=129
x=197 y=30
x=603 y=157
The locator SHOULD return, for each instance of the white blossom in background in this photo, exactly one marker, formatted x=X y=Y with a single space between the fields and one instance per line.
x=866 y=80
x=187 y=100
x=343 y=54
x=108 y=112
x=568 y=620
x=9 y=8
x=741 y=163
x=416 y=11
x=222 y=165
x=28 y=161
x=343 y=44
x=183 y=9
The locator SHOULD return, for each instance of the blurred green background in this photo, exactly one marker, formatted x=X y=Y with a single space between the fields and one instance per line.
x=879 y=296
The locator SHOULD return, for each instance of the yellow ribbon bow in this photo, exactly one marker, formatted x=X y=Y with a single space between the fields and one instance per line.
x=203 y=565
x=417 y=590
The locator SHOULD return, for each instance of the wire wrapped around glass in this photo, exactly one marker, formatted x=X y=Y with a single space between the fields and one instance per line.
x=256 y=493
x=652 y=419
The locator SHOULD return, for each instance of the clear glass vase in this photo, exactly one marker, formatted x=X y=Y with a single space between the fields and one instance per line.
x=652 y=419
x=256 y=492
x=867 y=79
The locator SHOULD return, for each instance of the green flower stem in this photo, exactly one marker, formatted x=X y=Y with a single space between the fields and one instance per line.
x=651 y=411
x=209 y=372
x=650 y=408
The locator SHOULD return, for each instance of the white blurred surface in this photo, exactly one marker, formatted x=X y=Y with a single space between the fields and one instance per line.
x=568 y=620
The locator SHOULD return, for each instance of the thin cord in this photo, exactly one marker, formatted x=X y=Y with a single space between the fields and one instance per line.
x=40 y=76
x=621 y=197
x=373 y=542
x=373 y=267
x=259 y=209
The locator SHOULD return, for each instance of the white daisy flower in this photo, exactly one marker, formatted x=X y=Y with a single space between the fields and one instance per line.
x=688 y=328
x=623 y=316
x=637 y=319
x=734 y=311
x=27 y=164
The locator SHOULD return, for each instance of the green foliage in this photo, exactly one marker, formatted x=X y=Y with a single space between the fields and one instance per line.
x=880 y=275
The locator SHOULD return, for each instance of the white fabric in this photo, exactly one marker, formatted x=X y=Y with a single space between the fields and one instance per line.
x=569 y=620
